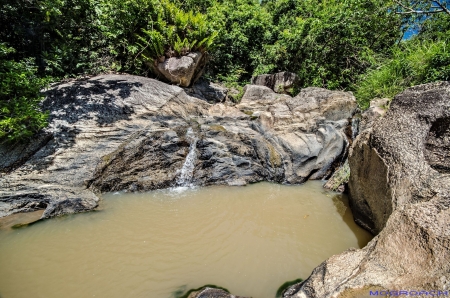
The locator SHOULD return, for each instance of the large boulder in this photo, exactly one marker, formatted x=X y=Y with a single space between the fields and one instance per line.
x=88 y=119
x=211 y=92
x=121 y=132
x=184 y=70
x=400 y=190
x=281 y=82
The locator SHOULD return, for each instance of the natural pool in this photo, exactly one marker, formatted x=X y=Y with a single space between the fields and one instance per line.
x=249 y=240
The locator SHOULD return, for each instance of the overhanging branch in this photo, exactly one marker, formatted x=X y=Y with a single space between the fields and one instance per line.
x=444 y=8
x=439 y=8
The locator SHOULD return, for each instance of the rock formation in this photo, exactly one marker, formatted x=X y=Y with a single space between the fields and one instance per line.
x=184 y=70
x=131 y=133
x=211 y=92
x=400 y=191
x=281 y=82
x=376 y=109
x=120 y=132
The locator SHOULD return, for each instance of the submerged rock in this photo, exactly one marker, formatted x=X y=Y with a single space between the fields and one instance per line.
x=121 y=132
x=400 y=190
x=212 y=293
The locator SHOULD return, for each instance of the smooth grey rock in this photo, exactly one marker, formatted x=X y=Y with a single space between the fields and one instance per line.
x=88 y=120
x=400 y=193
x=181 y=70
x=14 y=155
x=232 y=147
x=120 y=132
x=237 y=182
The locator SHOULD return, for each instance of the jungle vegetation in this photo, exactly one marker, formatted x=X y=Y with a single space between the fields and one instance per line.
x=356 y=45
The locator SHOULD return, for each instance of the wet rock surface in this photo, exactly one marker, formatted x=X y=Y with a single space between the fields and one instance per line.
x=400 y=190
x=121 y=132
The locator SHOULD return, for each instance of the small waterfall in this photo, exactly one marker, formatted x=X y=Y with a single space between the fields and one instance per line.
x=187 y=170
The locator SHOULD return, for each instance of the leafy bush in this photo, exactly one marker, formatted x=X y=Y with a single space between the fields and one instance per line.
x=174 y=33
x=412 y=63
x=243 y=27
x=424 y=58
x=329 y=43
x=20 y=116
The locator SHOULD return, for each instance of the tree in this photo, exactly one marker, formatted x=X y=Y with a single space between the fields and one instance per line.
x=328 y=43
x=243 y=27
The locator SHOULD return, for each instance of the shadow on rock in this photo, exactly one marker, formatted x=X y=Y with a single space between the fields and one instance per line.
x=93 y=99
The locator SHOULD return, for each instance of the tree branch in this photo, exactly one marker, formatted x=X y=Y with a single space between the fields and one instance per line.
x=442 y=8
x=419 y=12
x=404 y=6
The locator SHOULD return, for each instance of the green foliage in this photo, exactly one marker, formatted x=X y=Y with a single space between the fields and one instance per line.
x=20 y=116
x=422 y=59
x=347 y=44
x=286 y=285
x=243 y=27
x=76 y=37
x=434 y=28
x=328 y=43
x=195 y=5
x=419 y=14
x=174 y=32
x=340 y=176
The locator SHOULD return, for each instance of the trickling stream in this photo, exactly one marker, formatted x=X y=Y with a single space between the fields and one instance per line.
x=249 y=240
x=187 y=170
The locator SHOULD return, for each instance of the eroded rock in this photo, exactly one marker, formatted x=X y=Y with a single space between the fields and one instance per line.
x=400 y=192
x=114 y=133
x=212 y=293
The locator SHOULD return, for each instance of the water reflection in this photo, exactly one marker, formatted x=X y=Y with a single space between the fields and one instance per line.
x=341 y=203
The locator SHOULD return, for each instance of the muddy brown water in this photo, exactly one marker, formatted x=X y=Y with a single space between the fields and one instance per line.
x=249 y=240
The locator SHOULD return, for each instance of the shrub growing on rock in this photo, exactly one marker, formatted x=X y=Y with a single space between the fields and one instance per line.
x=175 y=32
